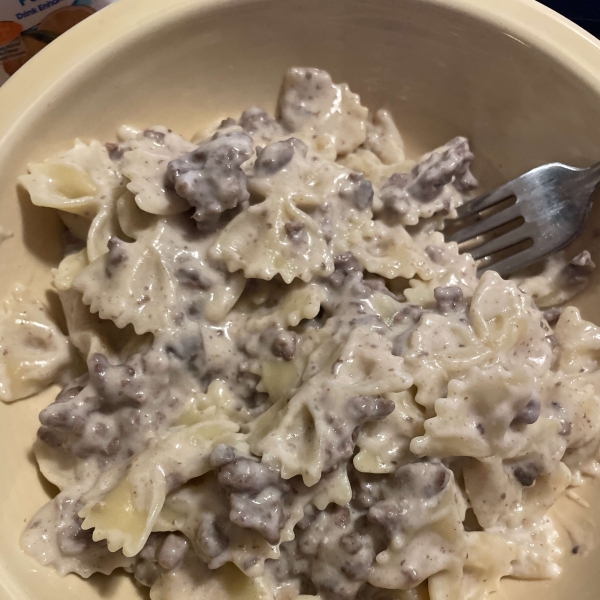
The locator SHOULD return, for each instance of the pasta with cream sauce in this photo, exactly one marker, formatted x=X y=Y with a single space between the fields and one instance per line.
x=279 y=380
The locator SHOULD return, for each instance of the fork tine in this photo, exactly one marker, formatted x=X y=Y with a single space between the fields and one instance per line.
x=511 y=264
x=473 y=207
x=505 y=216
x=500 y=243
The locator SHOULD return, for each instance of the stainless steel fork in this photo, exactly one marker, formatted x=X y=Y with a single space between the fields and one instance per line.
x=553 y=201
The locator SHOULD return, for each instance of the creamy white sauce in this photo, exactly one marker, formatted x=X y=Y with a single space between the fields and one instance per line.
x=288 y=369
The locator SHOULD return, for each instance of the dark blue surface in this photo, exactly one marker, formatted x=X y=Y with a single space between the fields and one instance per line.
x=583 y=12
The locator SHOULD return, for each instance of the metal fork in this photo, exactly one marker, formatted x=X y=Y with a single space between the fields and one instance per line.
x=554 y=202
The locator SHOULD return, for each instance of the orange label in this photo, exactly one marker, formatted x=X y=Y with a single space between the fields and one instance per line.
x=9 y=31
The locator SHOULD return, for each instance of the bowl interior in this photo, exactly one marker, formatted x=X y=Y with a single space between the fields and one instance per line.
x=441 y=71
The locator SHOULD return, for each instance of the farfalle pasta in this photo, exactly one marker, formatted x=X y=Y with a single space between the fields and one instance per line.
x=278 y=380
x=34 y=350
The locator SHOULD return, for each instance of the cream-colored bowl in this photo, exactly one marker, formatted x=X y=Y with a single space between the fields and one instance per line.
x=522 y=83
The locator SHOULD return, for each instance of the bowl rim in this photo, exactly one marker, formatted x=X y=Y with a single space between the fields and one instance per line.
x=38 y=83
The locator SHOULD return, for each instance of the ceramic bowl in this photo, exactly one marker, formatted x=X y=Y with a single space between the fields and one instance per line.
x=521 y=82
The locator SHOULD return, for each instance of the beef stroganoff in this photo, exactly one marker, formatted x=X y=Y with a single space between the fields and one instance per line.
x=277 y=372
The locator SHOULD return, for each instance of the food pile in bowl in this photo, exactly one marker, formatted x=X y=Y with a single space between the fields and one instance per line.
x=274 y=360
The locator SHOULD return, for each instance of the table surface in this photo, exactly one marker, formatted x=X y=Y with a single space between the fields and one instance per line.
x=583 y=12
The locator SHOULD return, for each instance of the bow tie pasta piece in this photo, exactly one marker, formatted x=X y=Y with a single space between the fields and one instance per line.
x=125 y=504
x=579 y=343
x=262 y=241
x=337 y=200
x=327 y=115
x=537 y=548
x=84 y=184
x=279 y=379
x=517 y=434
x=69 y=267
x=287 y=358
x=223 y=295
x=313 y=432
x=381 y=155
x=373 y=168
x=488 y=560
x=384 y=445
x=285 y=307
x=132 y=284
x=388 y=251
x=282 y=364
x=286 y=169
x=78 y=181
x=365 y=365
x=574 y=402
x=334 y=488
x=155 y=283
x=102 y=229
x=501 y=326
x=506 y=321
x=87 y=332
x=217 y=402
x=33 y=350
x=54 y=537
x=491 y=489
x=63 y=470
x=384 y=139
x=474 y=419
x=144 y=161
x=449 y=268
x=133 y=221
x=195 y=581
x=497 y=497
x=422 y=518
x=439 y=348
x=537 y=499
x=383 y=304
x=491 y=412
